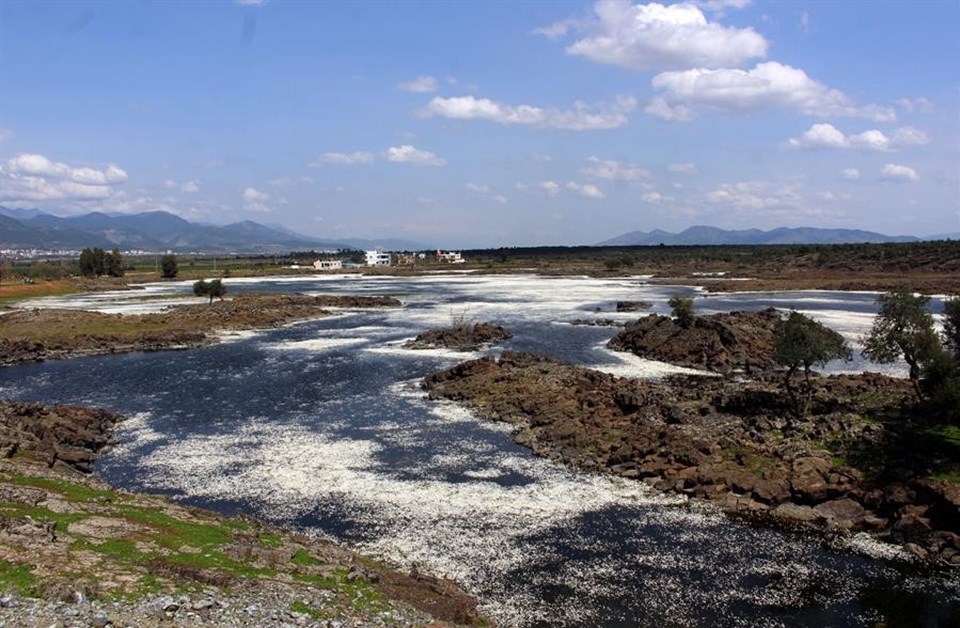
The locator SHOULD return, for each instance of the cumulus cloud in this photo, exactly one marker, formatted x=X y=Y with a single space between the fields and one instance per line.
x=33 y=177
x=850 y=174
x=613 y=170
x=254 y=200
x=682 y=95
x=654 y=198
x=407 y=154
x=897 y=172
x=550 y=187
x=486 y=190
x=915 y=105
x=421 y=84
x=684 y=168
x=344 y=159
x=190 y=187
x=582 y=117
x=828 y=136
x=763 y=198
x=586 y=190
x=654 y=36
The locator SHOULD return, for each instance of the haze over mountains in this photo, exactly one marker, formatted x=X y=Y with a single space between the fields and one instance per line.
x=162 y=231
x=701 y=234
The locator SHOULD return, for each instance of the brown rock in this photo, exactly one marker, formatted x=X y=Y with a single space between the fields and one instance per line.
x=808 y=482
x=843 y=513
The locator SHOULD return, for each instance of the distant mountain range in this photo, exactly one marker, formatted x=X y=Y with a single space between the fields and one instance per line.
x=800 y=235
x=162 y=231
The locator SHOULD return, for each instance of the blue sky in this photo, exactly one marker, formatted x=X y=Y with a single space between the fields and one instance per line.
x=486 y=123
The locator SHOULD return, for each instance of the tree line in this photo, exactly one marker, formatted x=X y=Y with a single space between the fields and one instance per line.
x=904 y=328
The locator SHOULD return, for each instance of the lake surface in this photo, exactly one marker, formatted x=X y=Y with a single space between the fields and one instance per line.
x=321 y=426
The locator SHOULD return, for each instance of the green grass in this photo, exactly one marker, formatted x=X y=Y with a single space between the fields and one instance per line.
x=303 y=558
x=270 y=540
x=306 y=609
x=174 y=533
x=62 y=520
x=217 y=561
x=73 y=492
x=17 y=578
x=360 y=593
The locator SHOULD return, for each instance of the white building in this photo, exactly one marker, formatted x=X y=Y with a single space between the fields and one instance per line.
x=328 y=264
x=450 y=257
x=377 y=258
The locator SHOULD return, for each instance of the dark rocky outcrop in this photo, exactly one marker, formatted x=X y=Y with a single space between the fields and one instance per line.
x=61 y=435
x=719 y=342
x=633 y=306
x=49 y=334
x=465 y=337
x=736 y=444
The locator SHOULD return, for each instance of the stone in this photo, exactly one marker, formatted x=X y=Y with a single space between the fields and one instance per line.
x=808 y=481
x=794 y=512
x=843 y=513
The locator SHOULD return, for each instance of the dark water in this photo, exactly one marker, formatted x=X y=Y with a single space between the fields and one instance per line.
x=320 y=426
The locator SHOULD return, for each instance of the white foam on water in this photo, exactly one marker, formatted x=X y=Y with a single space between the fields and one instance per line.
x=633 y=366
x=314 y=344
x=397 y=349
x=470 y=531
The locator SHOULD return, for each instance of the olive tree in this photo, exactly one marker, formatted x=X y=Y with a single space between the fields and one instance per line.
x=801 y=342
x=212 y=289
x=168 y=266
x=951 y=325
x=903 y=328
x=682 y=309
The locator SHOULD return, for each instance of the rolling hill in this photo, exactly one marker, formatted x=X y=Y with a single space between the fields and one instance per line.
x=704 y=235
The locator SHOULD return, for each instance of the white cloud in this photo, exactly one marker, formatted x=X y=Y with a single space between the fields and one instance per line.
x=33 y=177
x=251 y=3
x=541 y=157
x=916 y=105
x=805 y=23
x=550 y=187
x=850 y=174
x=762 y=198
x=682 y=95
x=685 y=168
x=654 y=36
x=345 y=159
x=653 y=197
x=897 y=172
x=558 y=29
x=421 y=84
x=720 y=5
x=828 y=136
x=587 y=190
x=909 y=136
x=479 y=189
x=190 y=187
x=407 y=154
x=252 y=195
x=582 y=117
x=499 y=198
x=255 y=201
x=613 y=170
x=288 y=182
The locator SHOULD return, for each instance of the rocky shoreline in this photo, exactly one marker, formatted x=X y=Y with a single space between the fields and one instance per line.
x=719 y=342
x=844 y=468
x=464 y=337
x=51 y=334
x=74 y=552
